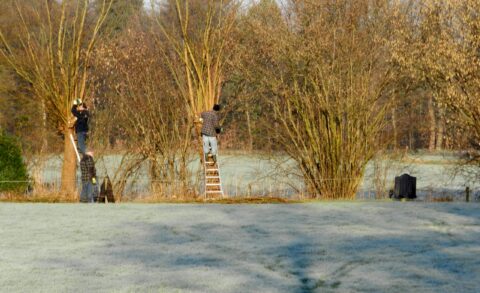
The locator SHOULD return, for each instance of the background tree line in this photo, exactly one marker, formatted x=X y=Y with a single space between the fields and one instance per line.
x=330 y=83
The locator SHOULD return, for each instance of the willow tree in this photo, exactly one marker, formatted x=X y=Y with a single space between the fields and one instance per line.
x=50 y=48
x=198 y=40
x=321 y=67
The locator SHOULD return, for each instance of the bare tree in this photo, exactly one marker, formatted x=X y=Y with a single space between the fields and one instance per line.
x=322 y=69
x=56 y=41
x=437 y=43
x=143 y=102
x=199 y=44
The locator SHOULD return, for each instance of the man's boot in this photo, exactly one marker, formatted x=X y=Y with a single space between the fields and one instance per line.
x=214 y=159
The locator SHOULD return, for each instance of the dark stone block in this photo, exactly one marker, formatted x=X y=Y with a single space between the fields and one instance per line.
x=405 y=187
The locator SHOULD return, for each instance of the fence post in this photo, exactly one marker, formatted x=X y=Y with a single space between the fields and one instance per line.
x=467 y=194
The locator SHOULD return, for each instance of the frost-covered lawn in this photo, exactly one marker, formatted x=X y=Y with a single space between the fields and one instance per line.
x=259 y=175
x=315 y=247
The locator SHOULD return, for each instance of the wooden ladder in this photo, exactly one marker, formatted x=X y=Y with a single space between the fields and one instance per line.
x=213 y=181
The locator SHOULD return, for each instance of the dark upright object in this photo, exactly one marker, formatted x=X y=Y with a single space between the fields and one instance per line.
x=405 y=187
x=106 y=191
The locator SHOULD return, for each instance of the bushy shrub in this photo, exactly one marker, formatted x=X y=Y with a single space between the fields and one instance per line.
x=13 y=172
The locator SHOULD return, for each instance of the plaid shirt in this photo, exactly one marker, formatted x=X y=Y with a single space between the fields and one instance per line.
x=87 y=166
x=210 y=122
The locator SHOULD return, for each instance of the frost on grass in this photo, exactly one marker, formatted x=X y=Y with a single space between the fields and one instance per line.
x=259 y=176
x=324 y=247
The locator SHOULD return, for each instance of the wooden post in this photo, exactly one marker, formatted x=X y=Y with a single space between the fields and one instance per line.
x=467 y=194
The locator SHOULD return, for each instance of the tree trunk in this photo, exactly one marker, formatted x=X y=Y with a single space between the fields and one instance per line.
x=249 y=128
x=156 y=187
x=433 y=124
x=441 y=130
x=43 y=148
x=411 y=129
x=394 y=126
x=198 y=134
x=69 y=168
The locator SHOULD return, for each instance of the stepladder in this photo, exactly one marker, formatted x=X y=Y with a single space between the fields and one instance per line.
x=213 y=181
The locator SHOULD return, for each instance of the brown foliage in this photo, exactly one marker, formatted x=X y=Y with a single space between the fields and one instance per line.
x=145 y=109
x=436 y=44
x=49 y=47
x=327 y=83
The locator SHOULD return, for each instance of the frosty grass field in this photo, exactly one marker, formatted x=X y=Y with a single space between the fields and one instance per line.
x=315 y=247
x=258 y=176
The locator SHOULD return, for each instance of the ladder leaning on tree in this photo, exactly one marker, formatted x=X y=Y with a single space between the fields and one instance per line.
x=213 y=181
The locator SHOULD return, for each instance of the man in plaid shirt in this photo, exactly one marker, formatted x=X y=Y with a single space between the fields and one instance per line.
x=210 y=129
x=89 y=180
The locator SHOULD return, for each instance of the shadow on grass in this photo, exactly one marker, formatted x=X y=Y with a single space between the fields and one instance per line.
x=290 y=248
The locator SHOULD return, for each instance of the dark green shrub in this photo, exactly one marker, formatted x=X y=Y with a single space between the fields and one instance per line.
x=13 y=172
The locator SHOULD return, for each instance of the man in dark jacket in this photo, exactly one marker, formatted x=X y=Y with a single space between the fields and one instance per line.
x=80 y=111
x=89 y=178
x=210 y=129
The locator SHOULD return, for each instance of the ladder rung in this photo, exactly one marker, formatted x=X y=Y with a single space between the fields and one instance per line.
x=212 y=174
